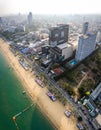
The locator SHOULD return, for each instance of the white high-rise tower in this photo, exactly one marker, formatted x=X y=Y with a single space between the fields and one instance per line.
x=86 y=45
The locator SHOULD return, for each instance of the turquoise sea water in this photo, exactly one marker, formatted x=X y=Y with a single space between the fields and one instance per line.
x=12 y=101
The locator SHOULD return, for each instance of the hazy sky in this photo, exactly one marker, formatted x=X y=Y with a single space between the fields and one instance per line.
x=50 y=6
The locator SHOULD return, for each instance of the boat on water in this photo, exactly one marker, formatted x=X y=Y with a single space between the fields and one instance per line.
x=23 y=92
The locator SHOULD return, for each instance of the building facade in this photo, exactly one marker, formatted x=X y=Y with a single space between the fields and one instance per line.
x=98 y=37
x=96 y=93
x=86 y=45
x=85 y=28
x=58 y=35
x=61 y=52
x=30 y=18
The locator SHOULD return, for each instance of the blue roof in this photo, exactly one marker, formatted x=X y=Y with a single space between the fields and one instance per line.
x=24 y=50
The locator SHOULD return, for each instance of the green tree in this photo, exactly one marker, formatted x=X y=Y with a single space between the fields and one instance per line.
x=81 y=91
x=79 y=118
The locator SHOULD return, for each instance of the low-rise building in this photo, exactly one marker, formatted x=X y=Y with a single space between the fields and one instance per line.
x=57 y=71
x=96 y=122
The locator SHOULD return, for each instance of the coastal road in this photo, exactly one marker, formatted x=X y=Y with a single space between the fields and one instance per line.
x=69 y=99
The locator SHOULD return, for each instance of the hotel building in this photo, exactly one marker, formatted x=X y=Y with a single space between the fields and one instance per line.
x=86 y=45
x=58 y=35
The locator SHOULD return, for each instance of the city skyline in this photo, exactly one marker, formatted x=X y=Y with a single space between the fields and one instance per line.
x=50 y=7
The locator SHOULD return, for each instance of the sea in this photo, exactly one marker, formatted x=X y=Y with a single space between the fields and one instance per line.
x=13 y=102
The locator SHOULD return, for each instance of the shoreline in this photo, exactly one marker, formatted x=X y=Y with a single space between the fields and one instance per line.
x=38 y=94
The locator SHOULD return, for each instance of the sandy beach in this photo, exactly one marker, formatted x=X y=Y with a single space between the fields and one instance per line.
x=53 y=110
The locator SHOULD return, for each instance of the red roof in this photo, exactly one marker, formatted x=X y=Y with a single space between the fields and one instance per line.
x=58 y=71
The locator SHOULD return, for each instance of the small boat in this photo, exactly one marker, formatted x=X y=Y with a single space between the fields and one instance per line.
x=24 y=92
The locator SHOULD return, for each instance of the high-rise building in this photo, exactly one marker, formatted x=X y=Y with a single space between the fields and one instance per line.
x=58 y=35
x=85 y=28
x=30 y=18
x=1 y=20
x=98 y=37
x=86 y=45
x=96 y=92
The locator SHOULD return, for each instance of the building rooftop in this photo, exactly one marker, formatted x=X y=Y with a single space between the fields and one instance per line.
x=58 y=70
x=98 y=118
x=59 y=25
x=87 y=35
x=64 y=45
